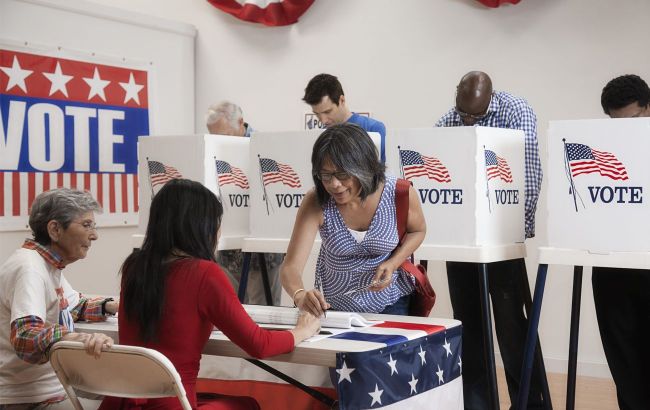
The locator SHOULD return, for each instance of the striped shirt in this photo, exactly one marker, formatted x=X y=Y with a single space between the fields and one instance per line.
x=508 y=111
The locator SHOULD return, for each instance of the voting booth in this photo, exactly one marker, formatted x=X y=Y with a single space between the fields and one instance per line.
x=470 y=182
x=221 y=163
x=599 y=175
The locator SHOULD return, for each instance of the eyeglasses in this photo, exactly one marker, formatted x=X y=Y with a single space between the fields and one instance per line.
x=327 y=176
x=475 y=117
x=87 y=225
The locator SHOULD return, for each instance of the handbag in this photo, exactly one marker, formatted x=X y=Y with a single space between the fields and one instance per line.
x=424 y=297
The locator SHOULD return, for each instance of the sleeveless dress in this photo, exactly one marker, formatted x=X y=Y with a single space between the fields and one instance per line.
x=343 y=264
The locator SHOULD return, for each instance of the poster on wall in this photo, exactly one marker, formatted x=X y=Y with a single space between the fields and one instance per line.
x=70 y=120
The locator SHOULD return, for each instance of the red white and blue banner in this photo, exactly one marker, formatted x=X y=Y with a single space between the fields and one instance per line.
x=70 y=122
x=267 y=12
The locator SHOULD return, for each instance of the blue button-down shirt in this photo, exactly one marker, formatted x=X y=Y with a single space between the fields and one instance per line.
x=508 y=111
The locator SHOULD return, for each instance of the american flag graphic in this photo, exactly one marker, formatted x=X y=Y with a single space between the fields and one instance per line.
x=497 y=167
x=160 y=174
x=415 y=165
x=227 y=174
x=586 y=160
x=273 y=171
x=69 y=123
x=415 y=366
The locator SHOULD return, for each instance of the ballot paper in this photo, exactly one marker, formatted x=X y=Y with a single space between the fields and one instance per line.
x=278 y=315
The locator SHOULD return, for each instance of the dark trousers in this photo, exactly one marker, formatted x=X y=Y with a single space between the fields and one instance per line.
x=622 y=299
x=506 y=291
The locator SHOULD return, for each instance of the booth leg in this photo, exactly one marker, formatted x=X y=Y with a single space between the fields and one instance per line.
x=243 y=280
x=573 y=338
x=531 y=337
x=265 y=279
x=539 y=357
x=489 y=340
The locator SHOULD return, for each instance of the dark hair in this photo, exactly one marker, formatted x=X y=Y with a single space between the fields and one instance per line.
x=350 y=149
x=623 y=91
x=183 y=221
x=323 y=85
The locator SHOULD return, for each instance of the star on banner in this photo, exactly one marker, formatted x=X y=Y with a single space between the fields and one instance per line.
x=58 y=80
x=132 y=89
x=97 y=85
x=421 y=353
x=376 y=395
x=447 y=347
x=439 y=374
x=344 y=373
x=412 y=383
x=393 y=365
x=16 y=75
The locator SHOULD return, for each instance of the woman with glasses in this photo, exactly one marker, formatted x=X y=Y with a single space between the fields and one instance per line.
x=174 y=294
x=353 y=208
x=38 y=306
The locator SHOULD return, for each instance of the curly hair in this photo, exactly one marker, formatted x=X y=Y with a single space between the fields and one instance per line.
x=623 y=91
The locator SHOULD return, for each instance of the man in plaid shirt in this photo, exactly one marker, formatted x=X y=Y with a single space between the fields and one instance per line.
x=478 y=104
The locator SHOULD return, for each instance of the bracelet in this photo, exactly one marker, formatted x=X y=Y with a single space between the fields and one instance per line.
x=294 y=296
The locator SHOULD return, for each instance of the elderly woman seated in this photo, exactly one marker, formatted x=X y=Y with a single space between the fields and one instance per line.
x=38 y=306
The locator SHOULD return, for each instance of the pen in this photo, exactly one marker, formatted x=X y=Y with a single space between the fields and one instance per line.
x=320 y=285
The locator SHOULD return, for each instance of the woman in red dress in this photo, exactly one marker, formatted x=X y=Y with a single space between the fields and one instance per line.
x=173 y=295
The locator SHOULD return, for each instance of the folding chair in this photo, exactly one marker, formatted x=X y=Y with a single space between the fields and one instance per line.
x=121 y=371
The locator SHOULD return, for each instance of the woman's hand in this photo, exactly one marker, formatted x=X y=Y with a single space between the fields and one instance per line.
x=93 y=343
x=307 y=326
x=383 y=276
x=112 y=306
x=311 y=301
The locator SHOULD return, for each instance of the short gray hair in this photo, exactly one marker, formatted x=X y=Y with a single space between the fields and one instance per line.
x=62 y=205
x=225 y=109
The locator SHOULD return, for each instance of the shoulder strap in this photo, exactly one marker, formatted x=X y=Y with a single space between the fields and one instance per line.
x=402 y=206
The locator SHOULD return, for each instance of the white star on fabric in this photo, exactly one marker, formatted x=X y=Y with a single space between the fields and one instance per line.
x=132 y=89
x=97 y=85
x=439 y=374
x=16 y=75
x=447 y=347
x=412 y=383
x=393 y=365
x=344 y=373
x=376 y=395
x=58 y=80
x=421 y=353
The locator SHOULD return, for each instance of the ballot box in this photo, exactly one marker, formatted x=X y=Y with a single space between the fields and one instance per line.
x=220 y=163
x=280 y=176
x=598 y=176
x=469 y=180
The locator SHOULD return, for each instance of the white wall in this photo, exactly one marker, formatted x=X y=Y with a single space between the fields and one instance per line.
x=402 y=59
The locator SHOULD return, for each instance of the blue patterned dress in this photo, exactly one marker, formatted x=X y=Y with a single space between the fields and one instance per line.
x=343 y=264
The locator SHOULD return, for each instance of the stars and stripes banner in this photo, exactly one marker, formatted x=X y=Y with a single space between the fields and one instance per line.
x=497 y=167
x=585 y=160
x=267 y=12
x=418 y=367
x=416 y=165
x=273 y=171
x=160 y=174
x=65 y=122
x=497 y=3
x=228 y=174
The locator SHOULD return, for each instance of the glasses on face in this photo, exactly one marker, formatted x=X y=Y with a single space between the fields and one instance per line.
x=327 y=176
x=87 y=225
x=475 y=117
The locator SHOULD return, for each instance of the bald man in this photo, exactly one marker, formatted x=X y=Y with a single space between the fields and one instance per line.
x=622 y=296
x=478 y=104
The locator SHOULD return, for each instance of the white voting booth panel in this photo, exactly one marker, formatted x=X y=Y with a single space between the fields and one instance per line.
x=599 y=174
x=467 y=201
x=196 y=157
x=280 y=169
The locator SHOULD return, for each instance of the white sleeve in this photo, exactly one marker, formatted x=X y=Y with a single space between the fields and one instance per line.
x=29 y=295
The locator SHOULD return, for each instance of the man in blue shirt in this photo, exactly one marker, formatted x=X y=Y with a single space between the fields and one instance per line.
x=325 y=95
x=478 y=104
